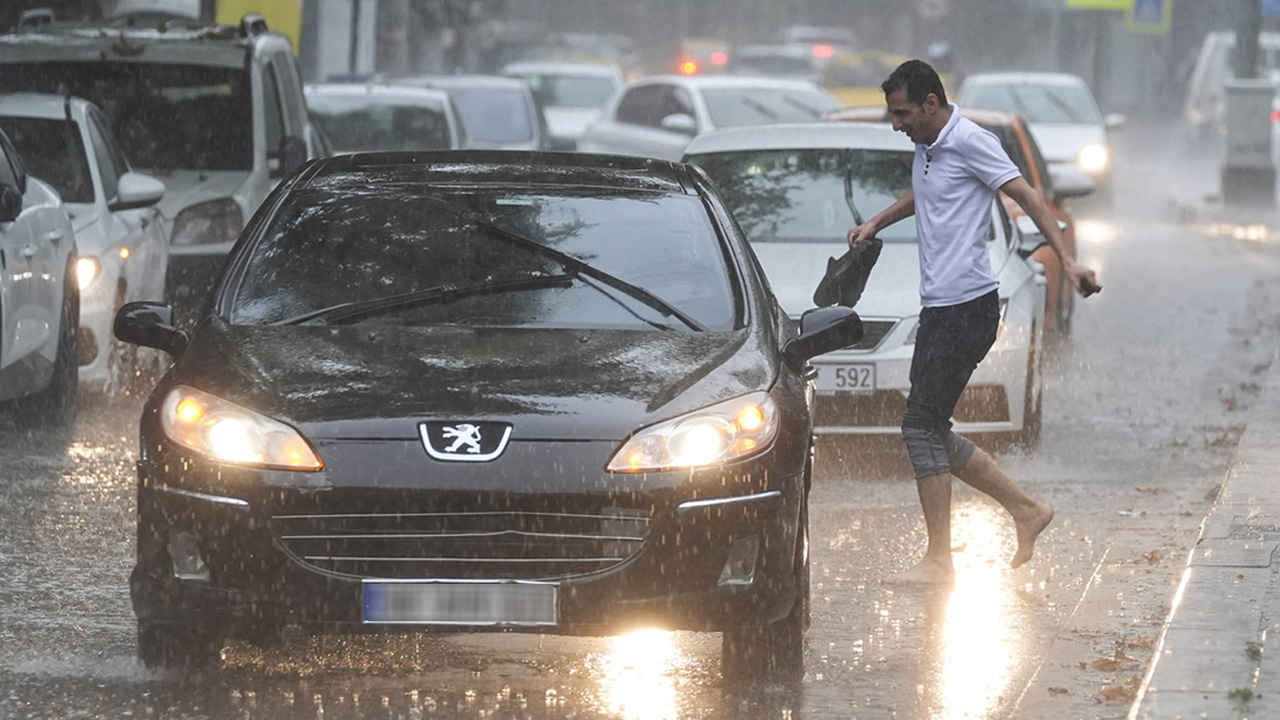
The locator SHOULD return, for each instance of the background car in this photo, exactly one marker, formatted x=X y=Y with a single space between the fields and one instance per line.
x=570 y=94
x=497 y=112
x=1057 y=188
x=568 y=404
x=796 y=190
x=123 y=252
x=656 y=116
x=1061 y=113
x=364 y=117
x=855 y=78
x=788 y=62
x=217 y=111
x=39 y=297
x=1204 y=106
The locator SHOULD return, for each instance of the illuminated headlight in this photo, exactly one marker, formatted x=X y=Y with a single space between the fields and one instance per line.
x=209 y=222
x=1094 y=159
x=722 y=433
x=87 y=269
x=229 y=433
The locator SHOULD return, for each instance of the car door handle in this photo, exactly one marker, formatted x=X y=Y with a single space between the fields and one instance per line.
x=28 y=252
x=53 y=236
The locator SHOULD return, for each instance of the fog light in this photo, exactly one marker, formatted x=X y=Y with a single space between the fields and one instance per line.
x=188 y=564
x=740 y=566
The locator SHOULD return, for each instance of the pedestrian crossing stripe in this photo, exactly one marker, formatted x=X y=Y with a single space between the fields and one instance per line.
x=1149 y=16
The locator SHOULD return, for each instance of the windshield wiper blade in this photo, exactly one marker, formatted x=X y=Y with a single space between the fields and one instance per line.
x=427 y=296
x=584 y=268
x=848 y=195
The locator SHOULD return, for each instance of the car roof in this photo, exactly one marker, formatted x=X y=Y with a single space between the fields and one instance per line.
x=797 y=136
x=41 y=105
x=1024 y=78
x=562 y=67
x=195 y=43
x=728 y=81
x=458 y=81
x=358 y=89
x=505 y=168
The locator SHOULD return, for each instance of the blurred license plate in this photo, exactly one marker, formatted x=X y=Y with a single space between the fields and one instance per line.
x=847 y=377
x=460 y=603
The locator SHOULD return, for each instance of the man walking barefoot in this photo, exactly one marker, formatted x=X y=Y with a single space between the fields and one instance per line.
x=958 y=168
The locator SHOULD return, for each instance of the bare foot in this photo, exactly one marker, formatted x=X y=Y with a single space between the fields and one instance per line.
x=926 y=572
x=1029 y=528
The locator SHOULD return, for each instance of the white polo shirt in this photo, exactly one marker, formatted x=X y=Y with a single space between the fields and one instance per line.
x=955 y=181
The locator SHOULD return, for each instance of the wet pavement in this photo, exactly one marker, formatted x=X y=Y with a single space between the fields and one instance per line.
x=1148 y=403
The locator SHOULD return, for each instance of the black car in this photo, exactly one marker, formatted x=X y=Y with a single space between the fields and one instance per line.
x=481 y=390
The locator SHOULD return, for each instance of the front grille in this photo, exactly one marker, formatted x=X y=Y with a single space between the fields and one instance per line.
x=502 y=544
x=881 y=408
x=873 y=331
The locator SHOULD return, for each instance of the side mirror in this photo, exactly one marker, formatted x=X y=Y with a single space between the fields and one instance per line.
x=1114 y=121
x=292 y=155
x=823 y=330
x=10 y=203
x=1030 y=239
x=1070 y=181
x=149 y=324
x=137 y=190
x=680 y=123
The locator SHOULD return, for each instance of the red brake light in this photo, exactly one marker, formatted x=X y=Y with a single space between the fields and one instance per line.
x=1275 y=116
x=688 y=67
x=719 y=58
x=823 y=51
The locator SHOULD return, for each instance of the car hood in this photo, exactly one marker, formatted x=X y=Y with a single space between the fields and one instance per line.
x=1062 y=143
x=794 y=270
x=380 y=382
x=183 y=188
x=569 y=122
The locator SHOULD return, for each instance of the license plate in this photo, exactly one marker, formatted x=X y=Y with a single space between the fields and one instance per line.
x=460 y=603
x=848 y=377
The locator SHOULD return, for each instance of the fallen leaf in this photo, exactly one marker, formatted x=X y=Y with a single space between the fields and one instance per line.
x=1149 y=489
x=1105 y=665
x=1057 y=691
x=1153 y=557
x=1115 y=693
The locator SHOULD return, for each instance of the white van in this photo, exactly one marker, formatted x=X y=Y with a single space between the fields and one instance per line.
x=1203 y=108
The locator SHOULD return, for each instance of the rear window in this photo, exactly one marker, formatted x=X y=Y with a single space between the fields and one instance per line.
x=372 y=123
x=494 y=115
x=191 y=117
x=332 y=246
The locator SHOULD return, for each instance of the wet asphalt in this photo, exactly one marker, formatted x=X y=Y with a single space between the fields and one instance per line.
x=1143 y=403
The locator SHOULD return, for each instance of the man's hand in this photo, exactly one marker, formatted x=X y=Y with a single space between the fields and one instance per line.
x=1082 y=278
x=862 y=233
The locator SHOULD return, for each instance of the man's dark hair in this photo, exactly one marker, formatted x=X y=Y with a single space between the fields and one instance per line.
x=918 y=78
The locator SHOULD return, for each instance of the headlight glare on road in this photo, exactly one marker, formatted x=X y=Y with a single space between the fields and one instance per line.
x=1094 y=158
x=86 y=270
x=725 y=432
x=229 y=433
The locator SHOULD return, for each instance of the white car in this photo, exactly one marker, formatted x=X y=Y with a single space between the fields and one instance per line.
x=656 y=116
x=119 y=232
x=795 y=190
x=1061 y=114
x=497 y=112
x=571 y=94
x=368 y=118
x=39 y=299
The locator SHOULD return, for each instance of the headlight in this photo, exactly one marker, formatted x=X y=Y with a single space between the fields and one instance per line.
x=1094 y=159
x=725 y=432
x=209 y=222
x=229 y=433
x=87 y=269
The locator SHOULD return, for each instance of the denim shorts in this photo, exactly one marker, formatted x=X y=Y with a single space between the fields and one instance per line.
x=950 y=342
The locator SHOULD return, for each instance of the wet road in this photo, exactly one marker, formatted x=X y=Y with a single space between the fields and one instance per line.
x=1143 y=404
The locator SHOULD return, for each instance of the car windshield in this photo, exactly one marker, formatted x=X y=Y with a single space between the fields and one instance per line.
x=356 y=123
x=812 y=195
x=1067 y=104
x=390 y=242
x=577 y=91
x=736 y=106
x=494 y=115
x=165 y=116
x=54 y=152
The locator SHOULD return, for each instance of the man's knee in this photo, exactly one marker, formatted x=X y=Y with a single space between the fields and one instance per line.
x=926 y=450
x=959 y=450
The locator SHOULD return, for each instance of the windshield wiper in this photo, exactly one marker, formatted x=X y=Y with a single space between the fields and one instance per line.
x=428 y=296
x=759 y=107
x=582 y=267
x=848 y=195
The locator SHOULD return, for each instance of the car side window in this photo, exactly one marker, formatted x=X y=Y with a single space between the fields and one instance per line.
x=642 y=105
x=680 y=102
x=273 y=112
x=111 y=165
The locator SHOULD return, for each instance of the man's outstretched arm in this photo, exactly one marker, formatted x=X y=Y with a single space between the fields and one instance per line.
x=1038 y=210
x=903 y=207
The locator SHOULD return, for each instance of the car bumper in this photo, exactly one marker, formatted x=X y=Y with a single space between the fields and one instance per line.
x=250 y=547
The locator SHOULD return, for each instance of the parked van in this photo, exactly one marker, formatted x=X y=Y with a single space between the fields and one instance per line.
x=1203 y=108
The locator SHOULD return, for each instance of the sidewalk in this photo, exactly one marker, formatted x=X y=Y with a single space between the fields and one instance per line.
x=1219 y=653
